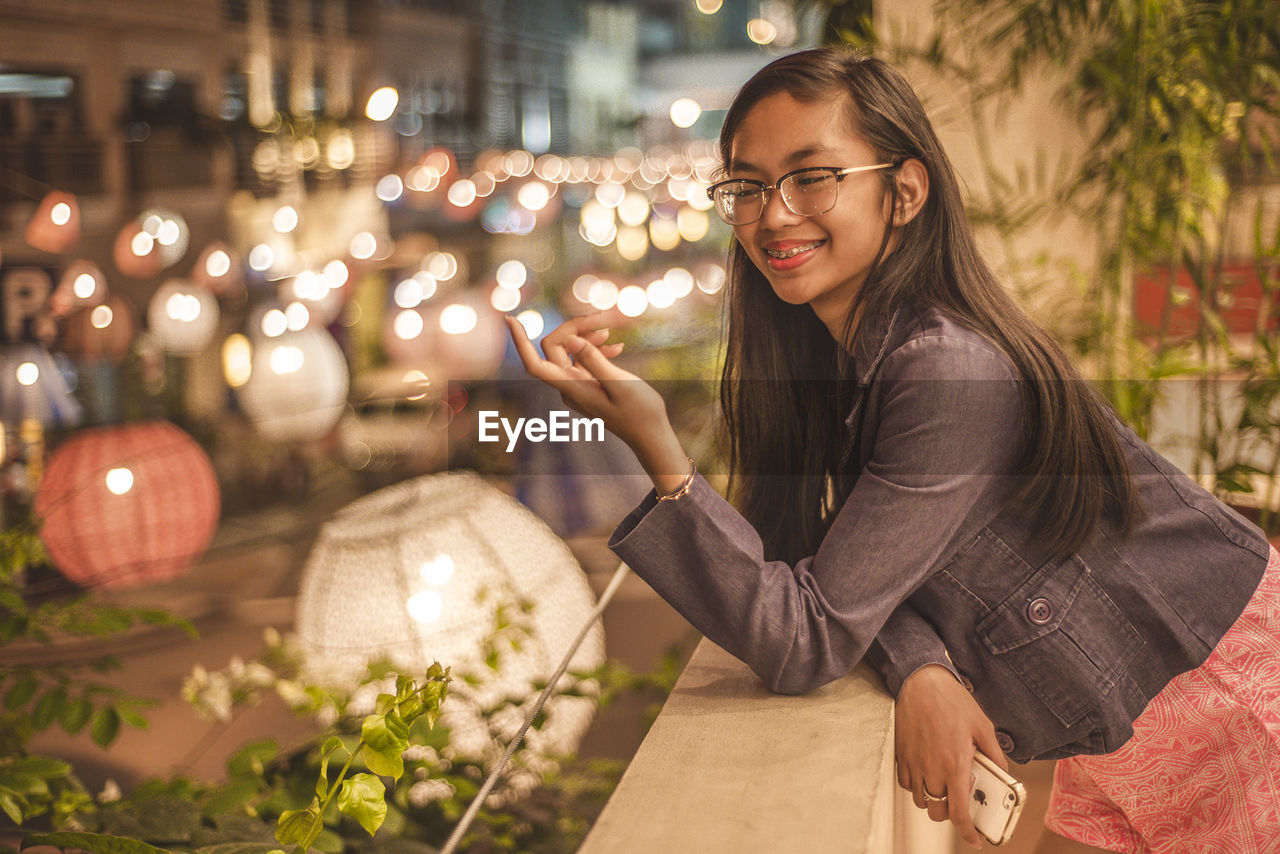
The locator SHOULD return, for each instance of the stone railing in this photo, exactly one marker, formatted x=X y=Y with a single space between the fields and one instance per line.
x=731 y=767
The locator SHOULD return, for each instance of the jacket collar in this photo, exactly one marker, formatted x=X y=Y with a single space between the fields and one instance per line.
x=869 y=349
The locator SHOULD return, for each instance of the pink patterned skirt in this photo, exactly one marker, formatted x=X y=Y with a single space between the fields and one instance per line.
x=1202 y=771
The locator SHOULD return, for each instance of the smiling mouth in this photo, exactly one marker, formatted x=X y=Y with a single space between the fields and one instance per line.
x=793 y=251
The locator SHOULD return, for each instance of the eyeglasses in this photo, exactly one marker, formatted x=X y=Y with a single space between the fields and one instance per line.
x=810 y=191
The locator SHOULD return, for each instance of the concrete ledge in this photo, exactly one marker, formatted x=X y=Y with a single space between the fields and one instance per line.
x=731 y=767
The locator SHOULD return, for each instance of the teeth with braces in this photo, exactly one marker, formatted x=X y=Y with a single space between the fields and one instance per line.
x=793 y=251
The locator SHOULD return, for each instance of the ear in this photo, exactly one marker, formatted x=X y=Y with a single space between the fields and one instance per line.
x=913 y=190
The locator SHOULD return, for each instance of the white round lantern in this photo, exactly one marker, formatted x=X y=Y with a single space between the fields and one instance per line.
x=182 y=317
x=297 y=386
x=415 y=572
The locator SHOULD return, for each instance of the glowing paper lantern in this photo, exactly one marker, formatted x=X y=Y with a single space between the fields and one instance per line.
x=297 y=386
x=413 y=572
x=168 y=230
x=182 y=317
x=82 y=284
x=102 y=332
x=136 y=253
x=124 y=506
x=219 y=269
x=55 y=226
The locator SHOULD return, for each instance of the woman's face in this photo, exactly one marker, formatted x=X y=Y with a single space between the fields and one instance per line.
x=820 y=260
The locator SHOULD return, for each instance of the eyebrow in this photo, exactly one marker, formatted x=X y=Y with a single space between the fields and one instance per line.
x=791 y=159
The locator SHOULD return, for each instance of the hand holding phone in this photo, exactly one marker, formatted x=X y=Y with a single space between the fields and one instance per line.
x=995 y=799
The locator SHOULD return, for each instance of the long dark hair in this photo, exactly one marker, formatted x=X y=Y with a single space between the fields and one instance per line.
x=785 y=384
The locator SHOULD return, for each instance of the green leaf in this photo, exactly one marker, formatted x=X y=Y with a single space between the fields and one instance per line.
x=21 y=691
x=240 y=848
x=41 y=766
x=385 y=738
x=230 y=797
x=329 y=842
x=251 y=760
x=330 y=746
x=363 y=798
x=11 y=808
x=95 y=843
x=299 y=827
x=106 y=724
x=49 y=707
x=76 y=714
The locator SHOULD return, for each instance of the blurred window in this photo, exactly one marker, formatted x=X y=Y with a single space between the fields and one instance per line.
x=279 y=14
x=42 y=132
x=235 y=11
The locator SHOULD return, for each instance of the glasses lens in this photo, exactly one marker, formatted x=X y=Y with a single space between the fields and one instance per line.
x=738 y=202
x=810 y=192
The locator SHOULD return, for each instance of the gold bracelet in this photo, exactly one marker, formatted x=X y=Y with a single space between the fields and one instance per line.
x=684 y=485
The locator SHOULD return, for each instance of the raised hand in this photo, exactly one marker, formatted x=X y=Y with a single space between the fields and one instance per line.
x=577 y=364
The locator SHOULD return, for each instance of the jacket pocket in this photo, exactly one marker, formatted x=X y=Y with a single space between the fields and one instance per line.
x=1063 y=636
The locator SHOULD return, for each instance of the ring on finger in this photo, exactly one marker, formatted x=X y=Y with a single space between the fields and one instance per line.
x=930 y=798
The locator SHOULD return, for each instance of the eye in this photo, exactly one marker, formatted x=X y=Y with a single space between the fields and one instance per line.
x=811 y=180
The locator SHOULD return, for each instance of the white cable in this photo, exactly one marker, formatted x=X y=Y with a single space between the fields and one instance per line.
x=456 y=837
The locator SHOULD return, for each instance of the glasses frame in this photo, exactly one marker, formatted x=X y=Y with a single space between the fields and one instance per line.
x=766 y=189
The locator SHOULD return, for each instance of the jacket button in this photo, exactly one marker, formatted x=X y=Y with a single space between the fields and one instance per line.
x=1004 y=740
x=1040 y=611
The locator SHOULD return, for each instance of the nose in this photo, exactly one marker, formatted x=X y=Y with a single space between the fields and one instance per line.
x=776 y=214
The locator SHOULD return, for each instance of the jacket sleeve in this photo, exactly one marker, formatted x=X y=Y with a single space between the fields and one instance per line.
x=906 y=643
x=947 y=440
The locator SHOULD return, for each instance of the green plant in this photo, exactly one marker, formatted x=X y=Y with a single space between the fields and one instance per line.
x=39 y=692
x=1178 y=104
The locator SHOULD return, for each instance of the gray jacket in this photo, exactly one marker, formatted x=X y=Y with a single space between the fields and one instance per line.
x=928 y=562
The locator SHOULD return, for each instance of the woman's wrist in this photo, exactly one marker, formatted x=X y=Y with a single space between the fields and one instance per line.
x=666 y=463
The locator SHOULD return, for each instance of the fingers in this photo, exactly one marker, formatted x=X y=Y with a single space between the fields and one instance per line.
x=958 y=806
x=985 y=739
x=599 y=366
x=524 y=347
x=935 y=800
x=562 y=342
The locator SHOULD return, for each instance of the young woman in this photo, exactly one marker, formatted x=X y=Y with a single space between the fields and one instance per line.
x=921 y=477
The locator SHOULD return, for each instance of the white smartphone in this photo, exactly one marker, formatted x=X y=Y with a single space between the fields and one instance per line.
x=995 y=799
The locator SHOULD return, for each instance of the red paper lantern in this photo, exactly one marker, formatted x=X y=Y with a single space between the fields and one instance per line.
x=55 y=226
x=126 y=506
x=103 y=332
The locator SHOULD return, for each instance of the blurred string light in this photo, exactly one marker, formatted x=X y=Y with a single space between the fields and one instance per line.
x=382 y=104
x=261 y=257
x=340 y=150
x=708 y=7
x=389 y=188
x=458 y=319
x=407 y=325
x=101 y=316
x=237 y=359
x=603 y=294
x=685 y=112
x=512 y=274
x=532 y=322
x=534 y=196
x=660 y=294
x=363 y=246
x=504 y=299
x=442 y=266
x=462 y=193
x=761 y=31
x=285 y=219
x=632 y=301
